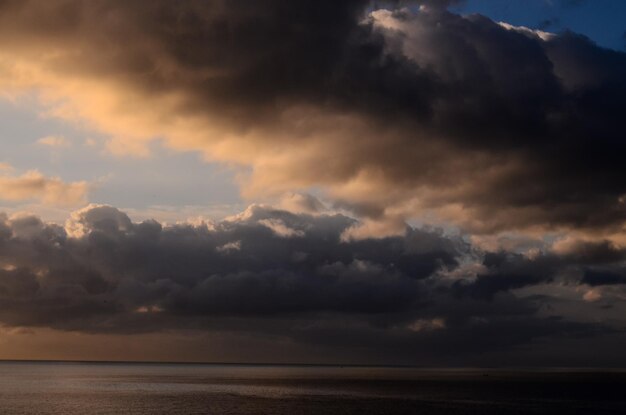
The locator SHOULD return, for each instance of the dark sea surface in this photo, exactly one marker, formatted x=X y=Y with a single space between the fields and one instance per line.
x=134 y=388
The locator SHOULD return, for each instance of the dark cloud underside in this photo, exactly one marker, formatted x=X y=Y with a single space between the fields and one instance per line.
x=271 y=272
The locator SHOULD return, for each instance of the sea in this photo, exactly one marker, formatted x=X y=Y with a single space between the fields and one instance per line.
x=161 y=388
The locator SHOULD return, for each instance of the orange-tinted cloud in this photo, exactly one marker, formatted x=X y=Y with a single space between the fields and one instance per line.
x=394 y=114
x=33 y=185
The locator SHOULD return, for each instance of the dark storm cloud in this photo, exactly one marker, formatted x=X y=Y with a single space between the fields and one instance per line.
x=491 y=126
x=269 y=272
x=551 y=105
x=271 y=262
x=507 y=271
x=594 y=277
x=594 y=253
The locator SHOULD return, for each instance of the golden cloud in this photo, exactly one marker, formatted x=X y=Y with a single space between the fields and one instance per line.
x=50 y=190
x=482 y=131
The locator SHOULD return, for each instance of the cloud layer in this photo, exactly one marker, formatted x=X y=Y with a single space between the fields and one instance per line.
x=395 y=113
x=269 y=272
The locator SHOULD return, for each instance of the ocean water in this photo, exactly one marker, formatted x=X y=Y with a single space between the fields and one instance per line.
x=121 y=388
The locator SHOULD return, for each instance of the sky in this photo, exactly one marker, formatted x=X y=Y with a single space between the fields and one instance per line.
x=434 y=183
x=601 y=20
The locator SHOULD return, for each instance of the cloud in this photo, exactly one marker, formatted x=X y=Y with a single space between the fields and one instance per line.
x=33 y=185
x=595 y=278
x=596 y=252
x=422 y=324
x=101 y=273
x=280 y=229
x=302 y=203
x=512 y=135
x=545 y=36
x=104 y=263
x=394 y=114
x=53 y=141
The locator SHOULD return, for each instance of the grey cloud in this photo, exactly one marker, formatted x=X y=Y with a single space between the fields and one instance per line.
x=111 y=265
x=592 y=263
x=603 y=277
x=595 y=253
x=112 y=275
x=508 y=271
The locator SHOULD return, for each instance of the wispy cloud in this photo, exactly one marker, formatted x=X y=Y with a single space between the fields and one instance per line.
x=33 y=185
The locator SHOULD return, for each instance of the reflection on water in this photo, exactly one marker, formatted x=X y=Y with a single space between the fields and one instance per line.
x=107 y=388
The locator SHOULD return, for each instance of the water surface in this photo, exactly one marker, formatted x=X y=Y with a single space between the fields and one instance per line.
x=134 y=388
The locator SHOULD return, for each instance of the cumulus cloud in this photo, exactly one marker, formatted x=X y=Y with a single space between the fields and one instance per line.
x=394 y=114
x=302 y=203
x=103 y=273
x=107 y=266
x=33 y=185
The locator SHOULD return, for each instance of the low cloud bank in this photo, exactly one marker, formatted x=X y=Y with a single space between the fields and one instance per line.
x=273 y=272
